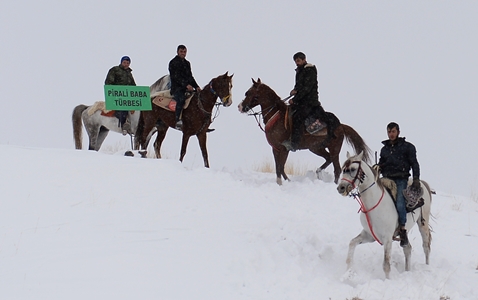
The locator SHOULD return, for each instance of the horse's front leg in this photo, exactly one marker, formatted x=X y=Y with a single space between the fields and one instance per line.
x=407 y=250
x=280 y=157
x=202 y=138
x=363 y=237
x=387 y=249
x=184 y=145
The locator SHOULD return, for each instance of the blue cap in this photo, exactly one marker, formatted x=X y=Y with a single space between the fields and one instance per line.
x=125 y=58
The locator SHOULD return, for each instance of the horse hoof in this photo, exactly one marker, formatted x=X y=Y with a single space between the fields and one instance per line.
x=128 y=153
x=143 y=153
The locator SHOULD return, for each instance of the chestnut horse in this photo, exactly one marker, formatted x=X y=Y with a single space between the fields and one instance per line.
x=196 y=118
x=274 y=111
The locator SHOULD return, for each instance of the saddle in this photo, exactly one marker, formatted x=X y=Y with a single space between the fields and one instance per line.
x=413 y=198
x=313 y=126
x=165 y=100
x=100 y=106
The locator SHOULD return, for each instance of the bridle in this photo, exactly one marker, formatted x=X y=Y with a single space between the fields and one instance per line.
x=355 y=193
x=217 y=104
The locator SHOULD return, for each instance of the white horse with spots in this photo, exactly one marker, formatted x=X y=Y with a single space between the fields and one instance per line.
x=379 y=217
x=97 y=124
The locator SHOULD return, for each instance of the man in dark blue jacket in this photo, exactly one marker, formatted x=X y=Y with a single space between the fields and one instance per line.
x=397 y=157
x=182 y=80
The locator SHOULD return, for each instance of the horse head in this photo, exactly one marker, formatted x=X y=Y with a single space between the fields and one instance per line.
x=253 y=96
x=221 y=86
x=355 y=173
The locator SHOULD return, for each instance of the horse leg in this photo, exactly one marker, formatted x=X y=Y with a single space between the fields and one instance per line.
x=363 y=237
x=101 y=137
x=202 y=138
x=92 y=137
x=424 y=228
x=334 y=150
x=161 y=134
x=280 y=157
x=407 y=250
x=387 y=249
x=184 y=145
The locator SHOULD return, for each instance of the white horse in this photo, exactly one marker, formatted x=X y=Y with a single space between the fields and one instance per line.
x=97 y=125
x=379 y=216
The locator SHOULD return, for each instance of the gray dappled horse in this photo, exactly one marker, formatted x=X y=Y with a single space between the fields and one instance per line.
x=379 y=217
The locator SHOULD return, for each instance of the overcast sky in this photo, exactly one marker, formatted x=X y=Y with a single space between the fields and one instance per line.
x=412 y=62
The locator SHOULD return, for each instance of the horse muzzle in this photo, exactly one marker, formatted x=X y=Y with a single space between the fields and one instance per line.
x=227 y=101
x=344 y=188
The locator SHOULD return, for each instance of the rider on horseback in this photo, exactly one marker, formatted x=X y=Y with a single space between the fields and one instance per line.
x=121 y=75
x=182 y=80
x=397 y=157
x=305 y=102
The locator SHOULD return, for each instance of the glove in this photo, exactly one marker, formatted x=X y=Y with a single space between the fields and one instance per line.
x=376 y=167
x=416 y=183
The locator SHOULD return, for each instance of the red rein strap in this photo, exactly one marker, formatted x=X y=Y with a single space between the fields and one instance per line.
x=365 y=211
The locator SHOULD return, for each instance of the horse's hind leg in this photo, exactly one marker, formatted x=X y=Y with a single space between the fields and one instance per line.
x=202 y=138
x=426 y=234
x=161 y=134
x=101 y=137
x=92 y=137
x=184 y=146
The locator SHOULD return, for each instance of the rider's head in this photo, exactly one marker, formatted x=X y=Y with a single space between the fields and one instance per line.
x=300 y=59
x=393 y=130
x=125 y=61
x=181 y=51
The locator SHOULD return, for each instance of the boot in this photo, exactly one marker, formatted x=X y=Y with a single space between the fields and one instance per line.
x=403 y=237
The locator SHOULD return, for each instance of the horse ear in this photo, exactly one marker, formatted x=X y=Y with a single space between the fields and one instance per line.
x=231 y=75
x=253 y=81
x=225 y=74
x=259 y=81
x=360 y=155
x=348 y=155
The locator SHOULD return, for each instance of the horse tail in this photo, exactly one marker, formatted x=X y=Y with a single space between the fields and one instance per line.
x=77 y=123
x=356 y=141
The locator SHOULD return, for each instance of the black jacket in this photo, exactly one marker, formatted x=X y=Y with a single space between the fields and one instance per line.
x=181 y=75
x=397 y=159
x=306 y=85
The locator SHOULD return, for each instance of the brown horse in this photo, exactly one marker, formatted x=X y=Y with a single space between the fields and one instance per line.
x=274 y=111
x=196 y=118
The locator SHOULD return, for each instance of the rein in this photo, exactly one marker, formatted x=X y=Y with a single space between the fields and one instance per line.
x=269 y=110
x=355 y=193
x=216 y=104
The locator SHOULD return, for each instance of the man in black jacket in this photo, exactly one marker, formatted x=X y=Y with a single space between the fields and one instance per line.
x=397 y=157
x=305 y=101
x=182 y=80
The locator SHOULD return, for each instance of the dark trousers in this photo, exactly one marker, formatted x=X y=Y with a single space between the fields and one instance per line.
x=180 y=98
x=298 y=119
x=121 y=115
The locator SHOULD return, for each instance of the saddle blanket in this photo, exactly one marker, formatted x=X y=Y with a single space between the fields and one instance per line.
x=164 y=100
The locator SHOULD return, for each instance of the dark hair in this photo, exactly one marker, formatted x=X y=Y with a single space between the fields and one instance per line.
x=300 y=55
x=181 y=47
x=392 y=125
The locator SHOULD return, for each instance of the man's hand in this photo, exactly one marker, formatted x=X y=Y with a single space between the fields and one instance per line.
x=189 y=88
x=416 y=183
x=198 y=89
x=293 y=92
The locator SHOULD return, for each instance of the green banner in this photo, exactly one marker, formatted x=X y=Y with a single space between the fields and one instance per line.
x=127 y=97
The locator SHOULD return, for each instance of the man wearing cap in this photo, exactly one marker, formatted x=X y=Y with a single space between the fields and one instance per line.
x=397 y=157
x=121 y=75
x=182 y=81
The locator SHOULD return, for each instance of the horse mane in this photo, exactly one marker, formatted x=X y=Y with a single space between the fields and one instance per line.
x=272 y=94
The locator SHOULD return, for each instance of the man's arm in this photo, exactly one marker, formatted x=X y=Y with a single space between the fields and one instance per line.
x=110 y=77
